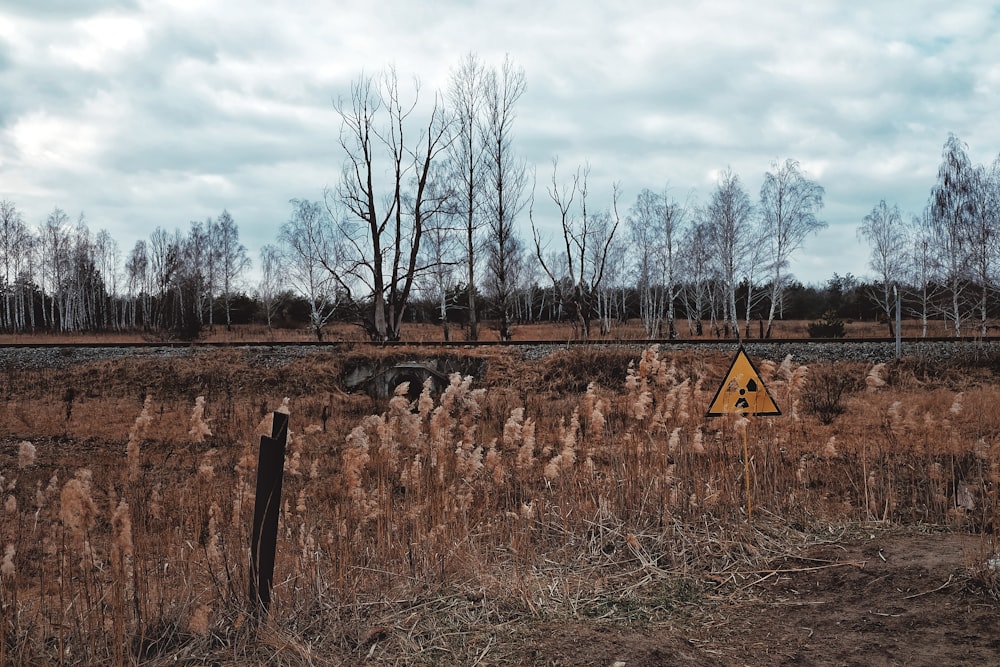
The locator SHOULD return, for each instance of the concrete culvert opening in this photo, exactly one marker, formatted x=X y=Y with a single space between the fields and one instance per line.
x=381 y=381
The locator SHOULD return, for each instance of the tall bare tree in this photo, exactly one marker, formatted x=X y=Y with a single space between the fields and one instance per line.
x=586 y=240
x=920 y=264
x=698 y=267
x=733 y=238
x=642 y=219
x=14 y=240
x=656 y=223
x=139 y=285
x=164 y=255
x=789 y=203
x=199 y=256
x=504 y=187
x=951 y=211
x=984 y=236
x=466 y=95
x=441 y=251
x=55 y=262
x=232 y=260
x=212 y=267
x=384 y=189
x=107 y=258
x=309 y=248
x=886 y=234
x=270 y=284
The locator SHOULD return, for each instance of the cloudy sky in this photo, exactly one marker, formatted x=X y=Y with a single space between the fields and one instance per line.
x=153 y=113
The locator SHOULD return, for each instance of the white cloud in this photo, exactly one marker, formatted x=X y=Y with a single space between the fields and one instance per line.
x=160 y=112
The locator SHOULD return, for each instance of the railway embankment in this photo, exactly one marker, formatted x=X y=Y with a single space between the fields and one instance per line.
x=801 y=351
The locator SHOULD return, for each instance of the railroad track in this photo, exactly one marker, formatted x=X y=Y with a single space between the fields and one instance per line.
x=41 y=354
x=620 y=342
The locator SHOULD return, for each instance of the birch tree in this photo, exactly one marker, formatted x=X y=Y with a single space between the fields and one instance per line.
x=886 y=234
x=466 y=94
x=14 y=240
x=984 y=236
x=950 y=213
x=920 y=265
x=232 y=259
x=732 y=238
x=309 y=250
x=698 y=268
x=137 y=282
x=269 y=286
x=504 y=186
x=789 y=203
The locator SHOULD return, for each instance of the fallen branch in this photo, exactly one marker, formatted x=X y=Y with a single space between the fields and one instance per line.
x=933 y=590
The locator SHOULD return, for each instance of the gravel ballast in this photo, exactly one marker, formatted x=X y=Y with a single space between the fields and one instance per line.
x=48 y=356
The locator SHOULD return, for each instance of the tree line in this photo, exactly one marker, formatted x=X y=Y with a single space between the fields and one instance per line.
x=61 y=277
x=435 y=216
x=941 y=263
x=428 y=203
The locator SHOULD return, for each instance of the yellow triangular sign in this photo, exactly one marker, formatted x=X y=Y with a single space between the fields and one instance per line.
x=743 y=392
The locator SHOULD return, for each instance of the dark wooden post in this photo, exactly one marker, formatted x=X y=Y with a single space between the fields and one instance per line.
x=267 y=503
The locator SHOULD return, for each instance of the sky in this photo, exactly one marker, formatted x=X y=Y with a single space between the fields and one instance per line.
x=151 y=113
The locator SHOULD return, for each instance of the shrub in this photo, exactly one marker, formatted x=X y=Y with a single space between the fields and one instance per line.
x=825 y=391
x=830 y=326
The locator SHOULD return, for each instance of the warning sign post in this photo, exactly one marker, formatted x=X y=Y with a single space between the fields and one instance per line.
x=743 y=392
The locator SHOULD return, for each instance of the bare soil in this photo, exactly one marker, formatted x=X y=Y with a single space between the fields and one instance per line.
x=872 y=599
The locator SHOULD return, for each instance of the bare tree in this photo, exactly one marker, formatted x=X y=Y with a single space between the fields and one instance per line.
x=921 y=271
x=232 y=259
x=730 y=214
x=309 y=248
x=26 y=270
x=14 y=240
x=211 y=263
x=163 y=260
x=697 y=267
x=55 y=261
x=886 y=234
x=642 y=219
x=505 y=182
x=616 y=269
x=269 y=286
x=586 y=240
x=386 y=222
x=466 y=94
x=951 y=210
x=984 y=236
x=138 y=282
x=199 y=256
x=441 y=254
x=656 y=222
x=107 y=258
x=789 y=203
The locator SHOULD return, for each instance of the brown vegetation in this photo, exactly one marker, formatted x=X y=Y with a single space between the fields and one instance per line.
x=586 y=486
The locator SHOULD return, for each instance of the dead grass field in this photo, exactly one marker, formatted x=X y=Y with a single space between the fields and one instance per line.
x=574 y=510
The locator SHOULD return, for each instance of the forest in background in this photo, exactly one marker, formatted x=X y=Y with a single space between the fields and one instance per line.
x=436 y=218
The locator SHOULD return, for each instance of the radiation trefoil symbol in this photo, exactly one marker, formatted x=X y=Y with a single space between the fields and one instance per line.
x=742 y=392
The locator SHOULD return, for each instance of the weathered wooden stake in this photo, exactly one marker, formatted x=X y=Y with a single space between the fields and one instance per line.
x=264 y=538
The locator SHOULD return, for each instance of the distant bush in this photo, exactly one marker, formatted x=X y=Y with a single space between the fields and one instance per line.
x=830 y=326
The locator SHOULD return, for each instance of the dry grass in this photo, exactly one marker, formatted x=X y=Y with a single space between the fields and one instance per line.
x=584 y=485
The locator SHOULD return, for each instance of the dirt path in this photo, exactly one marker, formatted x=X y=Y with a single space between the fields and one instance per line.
x=880 y=600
